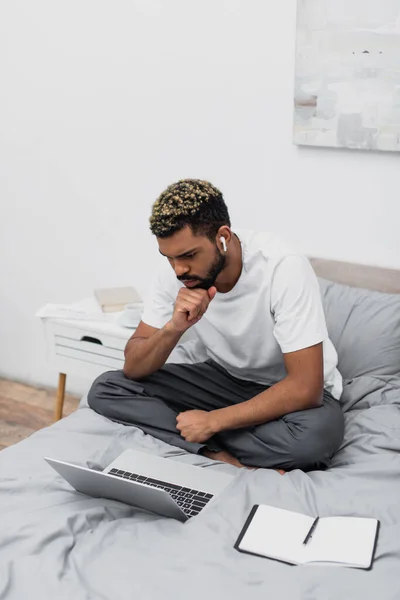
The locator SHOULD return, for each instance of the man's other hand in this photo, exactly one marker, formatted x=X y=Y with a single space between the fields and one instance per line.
x=195 y=425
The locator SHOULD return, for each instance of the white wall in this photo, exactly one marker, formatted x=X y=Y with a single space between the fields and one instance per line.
x=103 y=104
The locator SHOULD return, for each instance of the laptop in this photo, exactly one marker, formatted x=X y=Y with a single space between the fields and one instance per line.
x=157 y=485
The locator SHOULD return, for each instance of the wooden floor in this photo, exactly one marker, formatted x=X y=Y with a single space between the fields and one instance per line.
x=25 y=409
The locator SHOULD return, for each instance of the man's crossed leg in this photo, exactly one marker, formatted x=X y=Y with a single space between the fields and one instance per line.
x=304 y=439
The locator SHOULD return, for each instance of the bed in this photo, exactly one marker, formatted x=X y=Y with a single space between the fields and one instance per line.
x=56 y=543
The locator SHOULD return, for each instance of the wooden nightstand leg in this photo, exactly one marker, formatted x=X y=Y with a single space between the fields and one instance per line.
x=60 y=396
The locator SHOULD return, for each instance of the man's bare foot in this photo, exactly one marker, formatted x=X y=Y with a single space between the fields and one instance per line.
x=224 y=456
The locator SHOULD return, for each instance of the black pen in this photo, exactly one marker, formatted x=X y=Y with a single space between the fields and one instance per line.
x=312 y=529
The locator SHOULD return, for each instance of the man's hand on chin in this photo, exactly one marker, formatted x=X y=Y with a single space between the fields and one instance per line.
x=195 y=425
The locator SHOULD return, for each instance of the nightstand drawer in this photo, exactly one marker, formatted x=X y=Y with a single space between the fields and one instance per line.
x=91 y=351
x=116 y=362
x=87 y=344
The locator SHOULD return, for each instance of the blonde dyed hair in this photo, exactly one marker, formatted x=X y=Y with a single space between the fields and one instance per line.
x=192 y=202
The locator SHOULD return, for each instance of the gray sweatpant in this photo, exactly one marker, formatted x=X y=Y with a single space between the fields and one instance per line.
x=304 y=439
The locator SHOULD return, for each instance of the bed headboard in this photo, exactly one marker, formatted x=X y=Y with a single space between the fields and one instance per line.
x=361 y=276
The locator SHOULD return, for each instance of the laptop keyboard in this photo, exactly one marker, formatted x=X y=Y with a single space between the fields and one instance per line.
x=190 y=501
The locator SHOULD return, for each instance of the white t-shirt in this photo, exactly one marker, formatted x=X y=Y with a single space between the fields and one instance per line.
x=274 y=308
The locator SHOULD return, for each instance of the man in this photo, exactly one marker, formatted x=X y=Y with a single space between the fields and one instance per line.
x=267 y=391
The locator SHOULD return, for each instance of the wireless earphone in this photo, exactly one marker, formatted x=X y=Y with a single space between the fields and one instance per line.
x=223 y=242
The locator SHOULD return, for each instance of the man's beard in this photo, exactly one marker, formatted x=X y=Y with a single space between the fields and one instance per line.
x=206 y=282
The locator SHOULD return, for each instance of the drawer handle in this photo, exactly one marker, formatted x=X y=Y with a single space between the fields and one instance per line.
x=92 y=340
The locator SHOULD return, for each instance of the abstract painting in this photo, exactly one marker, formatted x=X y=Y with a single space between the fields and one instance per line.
x=347 y=90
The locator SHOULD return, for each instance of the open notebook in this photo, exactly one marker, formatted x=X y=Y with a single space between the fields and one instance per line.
x=335 y=541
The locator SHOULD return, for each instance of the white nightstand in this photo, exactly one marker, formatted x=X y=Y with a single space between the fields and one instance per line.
x=83 y=348
x=89 y=348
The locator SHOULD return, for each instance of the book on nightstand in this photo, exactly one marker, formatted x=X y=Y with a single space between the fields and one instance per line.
x=115 y=299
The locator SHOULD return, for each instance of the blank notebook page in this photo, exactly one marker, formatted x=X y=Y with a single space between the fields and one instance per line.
x=277 y=533
x=344 y=540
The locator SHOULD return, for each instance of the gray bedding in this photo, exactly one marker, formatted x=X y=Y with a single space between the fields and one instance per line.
x=57 y=543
